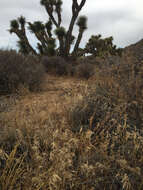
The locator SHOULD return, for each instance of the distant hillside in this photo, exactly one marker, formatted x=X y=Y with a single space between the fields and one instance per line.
x=132 y=55
x=134 y=52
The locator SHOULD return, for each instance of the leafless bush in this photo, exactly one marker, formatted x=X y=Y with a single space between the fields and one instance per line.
x=16 y=70
x=55 y=65
x=84 y=70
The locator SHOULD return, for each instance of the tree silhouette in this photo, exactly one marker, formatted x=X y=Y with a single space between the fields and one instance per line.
x=43 y=31
x=98 y=46
x=18 y=27
x=82 y=27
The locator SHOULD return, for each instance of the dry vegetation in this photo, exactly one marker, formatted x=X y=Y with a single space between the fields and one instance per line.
x=74 y=134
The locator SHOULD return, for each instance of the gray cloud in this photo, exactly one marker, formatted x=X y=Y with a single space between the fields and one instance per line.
x=120 y=19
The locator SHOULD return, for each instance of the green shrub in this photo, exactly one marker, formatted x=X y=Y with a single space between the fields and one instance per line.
x=16 y=70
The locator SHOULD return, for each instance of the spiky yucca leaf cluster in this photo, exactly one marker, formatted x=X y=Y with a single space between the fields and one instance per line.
x=22 y=21
x=60 y=32
x=36 y=26
x=98 y=46
x=82 y=22
x=14 y=25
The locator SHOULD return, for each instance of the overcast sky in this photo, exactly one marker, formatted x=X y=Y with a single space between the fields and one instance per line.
x=122 y=19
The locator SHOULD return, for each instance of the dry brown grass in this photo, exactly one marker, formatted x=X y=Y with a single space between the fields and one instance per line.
x=40 y=148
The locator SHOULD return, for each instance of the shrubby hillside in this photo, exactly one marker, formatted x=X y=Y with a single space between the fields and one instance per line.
x=71 y=125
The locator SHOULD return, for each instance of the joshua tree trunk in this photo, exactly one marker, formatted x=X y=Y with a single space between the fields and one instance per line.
x=29 y=46
x=75 y=12
x=78 y=41
x=61 y=50
x=69 y=35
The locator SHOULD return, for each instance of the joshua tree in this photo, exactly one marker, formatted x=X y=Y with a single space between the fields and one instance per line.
x=43 y=31
x=18 y=27
x=82 y=27
x=102 y=47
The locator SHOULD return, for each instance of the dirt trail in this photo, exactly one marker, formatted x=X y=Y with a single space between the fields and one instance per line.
x=34 y=109
x=56 y=94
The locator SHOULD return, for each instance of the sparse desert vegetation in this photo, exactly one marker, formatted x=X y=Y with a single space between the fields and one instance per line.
x=75 y=132
x=71 y=118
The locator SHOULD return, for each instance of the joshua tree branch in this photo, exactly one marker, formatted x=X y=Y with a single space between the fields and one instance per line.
x=49 y=10
x=58 y=11
x=22 y=36
x=75 y=12
x=82 y=4
x=80 y=34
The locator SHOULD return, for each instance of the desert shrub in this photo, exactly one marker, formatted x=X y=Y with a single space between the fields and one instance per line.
x=16 y=70
x=55 y=65
x=8 y=138
x=115 y=96
x=84 y=70
x=91 y=60
x=80 y=115
x=7 y=102
x=123 y=86
x=71 y=70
